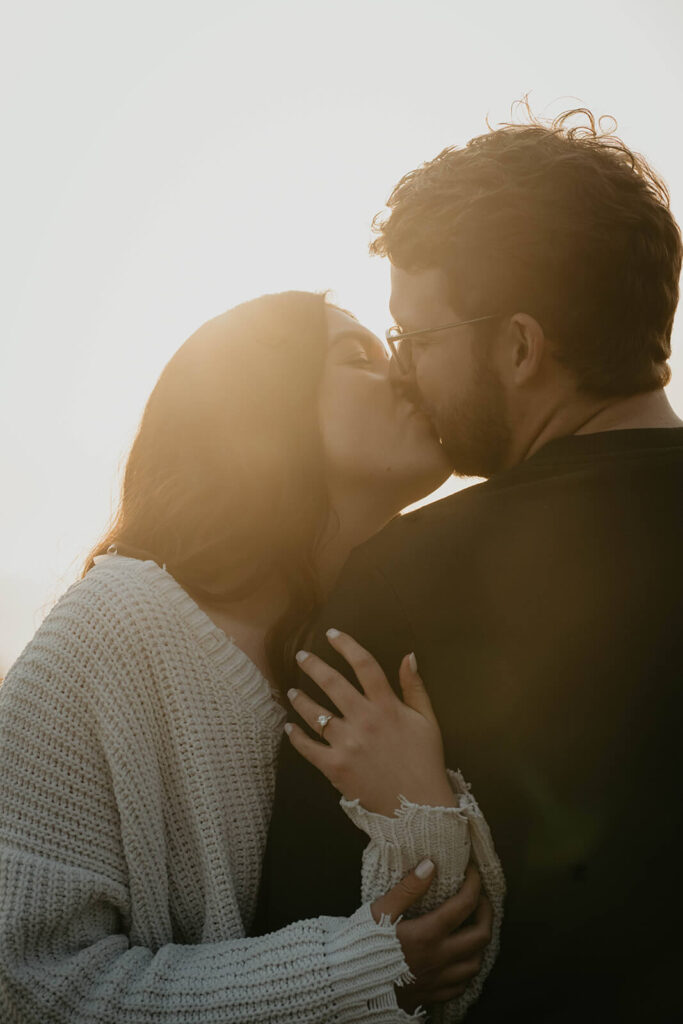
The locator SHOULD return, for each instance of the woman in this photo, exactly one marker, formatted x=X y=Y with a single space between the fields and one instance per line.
x=139 y=733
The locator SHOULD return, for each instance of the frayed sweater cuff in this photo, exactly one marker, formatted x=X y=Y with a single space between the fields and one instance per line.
x=416 y=831
x=365 y=961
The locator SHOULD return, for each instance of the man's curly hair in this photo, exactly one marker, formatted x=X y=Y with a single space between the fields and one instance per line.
x=556 y=219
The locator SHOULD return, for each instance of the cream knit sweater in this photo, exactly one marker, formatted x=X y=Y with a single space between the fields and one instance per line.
x=138 y=748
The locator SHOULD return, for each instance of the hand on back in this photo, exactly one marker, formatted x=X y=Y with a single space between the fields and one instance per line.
x=378 y=747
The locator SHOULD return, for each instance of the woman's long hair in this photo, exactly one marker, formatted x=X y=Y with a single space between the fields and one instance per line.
x=225 y=482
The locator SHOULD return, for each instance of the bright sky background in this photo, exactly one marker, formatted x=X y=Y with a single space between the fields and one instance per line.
x=164 y=160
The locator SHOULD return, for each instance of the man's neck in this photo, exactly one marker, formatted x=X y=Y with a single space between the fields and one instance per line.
x=591 y=416
x=637 y=412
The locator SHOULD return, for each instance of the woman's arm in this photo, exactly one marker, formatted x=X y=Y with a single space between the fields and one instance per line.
x=66 y=899
x=64 y=959
x=67 y=896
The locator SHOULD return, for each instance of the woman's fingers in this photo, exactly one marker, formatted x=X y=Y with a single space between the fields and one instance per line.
x=341 y=692
x=317 y=753
x=311 y=712
x=368 y=671
x=406 y=892
x=414 y=693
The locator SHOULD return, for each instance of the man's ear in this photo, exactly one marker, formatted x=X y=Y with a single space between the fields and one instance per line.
x=524 y=349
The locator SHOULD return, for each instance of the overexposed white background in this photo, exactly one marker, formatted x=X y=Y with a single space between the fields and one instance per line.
x=164 y=160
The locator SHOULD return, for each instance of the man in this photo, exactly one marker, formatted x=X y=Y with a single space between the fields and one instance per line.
x=534 y=284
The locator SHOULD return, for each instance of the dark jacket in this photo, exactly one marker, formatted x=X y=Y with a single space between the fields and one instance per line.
x=545 y=608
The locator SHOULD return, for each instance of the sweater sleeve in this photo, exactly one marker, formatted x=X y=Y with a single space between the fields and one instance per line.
x=64 y=959
x=67 y=955
x=449 y=836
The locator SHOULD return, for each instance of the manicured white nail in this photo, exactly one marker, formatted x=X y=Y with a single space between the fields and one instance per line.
x=292 y=694
x=412 y=661
x=301 y=656
x=332 y=633
x=288 y=727
x=424 y=868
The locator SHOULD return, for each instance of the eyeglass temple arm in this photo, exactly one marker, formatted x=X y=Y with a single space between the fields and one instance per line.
x=432 y=330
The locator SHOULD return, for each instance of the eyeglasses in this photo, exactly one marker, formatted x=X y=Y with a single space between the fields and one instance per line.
x=400 y=342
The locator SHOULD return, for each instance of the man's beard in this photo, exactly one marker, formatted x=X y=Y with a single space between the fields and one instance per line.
x=476 y=433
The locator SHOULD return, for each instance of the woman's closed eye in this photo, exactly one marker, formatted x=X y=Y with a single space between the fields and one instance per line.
x=365 y=352
x=359 y=355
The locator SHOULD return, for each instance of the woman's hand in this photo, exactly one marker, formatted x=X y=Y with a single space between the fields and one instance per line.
x=379 y=747
x=444 y=949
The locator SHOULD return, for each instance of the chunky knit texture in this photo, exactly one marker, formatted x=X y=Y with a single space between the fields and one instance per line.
x=398 y=843
x=138 y=747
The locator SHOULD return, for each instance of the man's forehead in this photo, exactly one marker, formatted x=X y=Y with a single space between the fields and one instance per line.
x=418 y=296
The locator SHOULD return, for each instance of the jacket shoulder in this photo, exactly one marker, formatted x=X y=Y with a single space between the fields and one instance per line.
x=423 y=526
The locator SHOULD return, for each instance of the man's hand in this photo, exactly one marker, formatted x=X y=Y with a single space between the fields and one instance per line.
x=444 y=948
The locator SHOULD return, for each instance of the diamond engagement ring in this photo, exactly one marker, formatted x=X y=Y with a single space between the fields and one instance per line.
x=322 y=721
